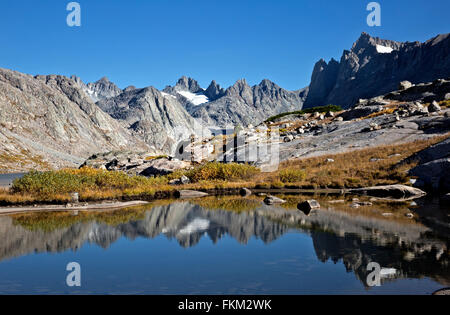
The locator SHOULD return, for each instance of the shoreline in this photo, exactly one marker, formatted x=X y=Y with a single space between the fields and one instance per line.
x=48 y=208
x=124 y=202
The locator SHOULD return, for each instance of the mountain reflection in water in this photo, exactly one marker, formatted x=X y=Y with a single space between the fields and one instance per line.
x=413 y=249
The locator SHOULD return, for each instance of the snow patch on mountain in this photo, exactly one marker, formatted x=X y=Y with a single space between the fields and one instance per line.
x=194 y=98
x=384 y=49
x=167 y=95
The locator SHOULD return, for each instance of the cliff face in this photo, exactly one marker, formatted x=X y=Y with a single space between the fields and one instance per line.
x=98 y=90
x=244 y=104
x=51 y=119
x=155 y=117
x=375 y=66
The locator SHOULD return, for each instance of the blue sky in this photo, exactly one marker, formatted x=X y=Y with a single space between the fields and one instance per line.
x=154 y=42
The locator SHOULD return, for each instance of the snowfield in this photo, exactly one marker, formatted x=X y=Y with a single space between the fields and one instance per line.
x=196 y=99
x=167 y=95
x=384 y=49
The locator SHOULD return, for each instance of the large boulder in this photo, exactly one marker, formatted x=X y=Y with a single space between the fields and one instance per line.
x=245 y=192
x=163 y=166
x=308 y=205
x=270 y=200
x=390 y=191
x=434 y=107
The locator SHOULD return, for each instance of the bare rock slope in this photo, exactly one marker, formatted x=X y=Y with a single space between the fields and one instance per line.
x=48 y=121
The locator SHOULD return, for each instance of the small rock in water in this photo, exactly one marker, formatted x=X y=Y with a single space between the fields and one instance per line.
x=190 y=194
x=336 y=201
x=244 y=192
x=354 y=205
x=387 y=214
x=409 y=215
x=308 y=205
x=270 y=200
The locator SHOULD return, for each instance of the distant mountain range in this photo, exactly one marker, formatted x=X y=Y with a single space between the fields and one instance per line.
x=58 y=121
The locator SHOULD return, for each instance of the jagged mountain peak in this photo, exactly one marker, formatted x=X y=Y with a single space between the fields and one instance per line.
x=104 y=80
x=214 y=91
x=266 y=83
x=129 y=88
x=375 y=66
x=369 y=44
x=188 y=84
x=98 y=90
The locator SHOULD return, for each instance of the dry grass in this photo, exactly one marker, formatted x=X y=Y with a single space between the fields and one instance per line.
x=387 y=111
x=444 y=104
x=349 y=170
x=23 y=159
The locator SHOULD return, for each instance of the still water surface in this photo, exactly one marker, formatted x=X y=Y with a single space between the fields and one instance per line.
x=226 y=245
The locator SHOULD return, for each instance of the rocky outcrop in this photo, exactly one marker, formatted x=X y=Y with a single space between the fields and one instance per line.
x=433 y=169
x=134 y=163
x=435 y=152
x=434 y=174
x=375 y=66
x=427 y=92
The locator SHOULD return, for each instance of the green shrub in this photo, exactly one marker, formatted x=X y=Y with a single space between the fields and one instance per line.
x=292 y=175
x=82 y=180
x=222 y=171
